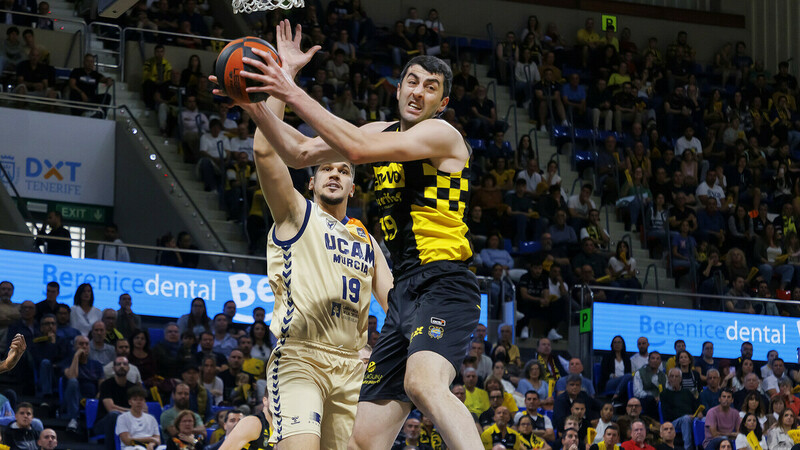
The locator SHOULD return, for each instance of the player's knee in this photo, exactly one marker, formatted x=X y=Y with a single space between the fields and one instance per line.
x=417 y=388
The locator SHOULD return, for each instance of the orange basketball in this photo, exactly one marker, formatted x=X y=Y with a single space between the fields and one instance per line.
x=229 y=64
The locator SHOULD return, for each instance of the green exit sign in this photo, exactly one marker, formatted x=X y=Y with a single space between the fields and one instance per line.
x=82 y=213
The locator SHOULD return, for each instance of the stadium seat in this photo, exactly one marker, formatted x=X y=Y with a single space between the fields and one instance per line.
x=699 y=431
x=92 y=405
x=154 y=409
x=630 y=389
x=660 y=414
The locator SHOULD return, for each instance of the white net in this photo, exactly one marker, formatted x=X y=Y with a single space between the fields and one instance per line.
x=249 y=6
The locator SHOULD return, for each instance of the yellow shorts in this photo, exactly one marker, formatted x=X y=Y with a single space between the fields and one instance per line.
x=313 y=388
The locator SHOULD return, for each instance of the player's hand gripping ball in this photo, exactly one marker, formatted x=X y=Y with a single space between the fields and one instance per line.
x=229 y=64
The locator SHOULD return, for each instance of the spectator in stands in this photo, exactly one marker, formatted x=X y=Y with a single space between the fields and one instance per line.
x=648 y=383
x=608 y=435
x=211 y=382
x=476 y=400
x=200 y=399
x=168 y=352
x=113 y=400
x=752 y=405
x=127 y=320
x=122 y=349
x=770 y=384
x=83 y=314
x=709 y=397
x=562 y=235
x=590 y=256
x=599 y=101
x=180 y=403
x=232 y=417
x=465 y=78
x=570 y=439
x=477 y=349
x=12 y=50
x=206 y=350
x=752 y=385
x=50 y=303
x=615 y=368
x=526 y=75
x=184 y=242
x=749 y=424
x=65 y=331
x=223 y=341
x=633 y=412
x=98 y=349
x=500 y=432
x=156 y=71
x=573 y=96
x=229 y=376
x=640 y=358
x=142 y=356
x=196 y=124
x=55 y=246
x=579 y=206
x=548 y=100
x=678 y=405
x=35 y=77
x=572 y=394
x=197 y=319
x=110 y=321
x=26 y=325
x=638 y=435
x=113 y=252
x=48 y=440
x=19 y=435
x=711 y=223
x=495 y=401
x=186 y=435
x=48 y=350
x=542 y=425
x=722 y=421
x=82 y=375
x=136 y=427
x=575 y=367
x=493 y=253
x=778 y=436
x=625 y=109
x=83 y=84
x=243 y=142
x=532 y=379
x=9 y=311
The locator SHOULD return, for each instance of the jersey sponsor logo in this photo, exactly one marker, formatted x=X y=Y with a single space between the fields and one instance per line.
x=336 y=309
x=438 y=321
x=343 y=311
x=435 y=332
x=387 y=199
x=389 y=176
x=416 y=332
x=295 y=420
x=358 y=255
x=331 y=224
x=371 y=367
x=361 y=233
x=315 y=417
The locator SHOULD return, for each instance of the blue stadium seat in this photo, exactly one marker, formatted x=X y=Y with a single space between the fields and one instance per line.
x=661 y=414
x=209 y=432
x=154 y=409
x=481 y=44
x=117 y=442
x=92 y=405
x=630 y=389
x=507 y=244
x=477 y=144
x=529 y=247
x=699 y=431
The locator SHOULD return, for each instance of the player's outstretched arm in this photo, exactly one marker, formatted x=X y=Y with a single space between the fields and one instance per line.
x=383 y=280
x=15 y=352
x=248 y=429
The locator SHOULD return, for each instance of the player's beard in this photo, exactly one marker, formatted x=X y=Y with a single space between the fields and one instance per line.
x=330 y=200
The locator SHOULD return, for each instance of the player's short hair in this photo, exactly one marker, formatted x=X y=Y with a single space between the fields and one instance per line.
x=433 y=65
x=352 y=168
x=24 y=405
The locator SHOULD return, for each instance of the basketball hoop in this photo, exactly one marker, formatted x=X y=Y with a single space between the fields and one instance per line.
x=249 y=6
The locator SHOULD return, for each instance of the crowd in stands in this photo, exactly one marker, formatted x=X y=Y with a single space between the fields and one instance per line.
x=190 y=381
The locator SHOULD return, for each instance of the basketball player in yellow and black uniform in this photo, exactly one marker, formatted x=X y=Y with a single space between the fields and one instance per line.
x=251 y=433
x=322 y=268
x=421 y=168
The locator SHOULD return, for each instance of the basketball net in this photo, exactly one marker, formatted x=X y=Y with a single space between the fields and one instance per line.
x=249 y=6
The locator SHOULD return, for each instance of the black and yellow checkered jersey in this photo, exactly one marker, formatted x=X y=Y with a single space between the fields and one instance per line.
x=422 y=211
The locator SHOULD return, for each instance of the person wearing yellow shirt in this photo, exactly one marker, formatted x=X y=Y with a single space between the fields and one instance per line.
x=610 y=39
x=587 y=39
x=253 y=366
x=477 y=400
x=500 y=433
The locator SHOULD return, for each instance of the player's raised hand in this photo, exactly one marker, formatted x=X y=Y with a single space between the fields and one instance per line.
x=293 y=58
x=272 y=79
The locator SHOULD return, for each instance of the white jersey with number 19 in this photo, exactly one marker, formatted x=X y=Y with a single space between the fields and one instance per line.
x=322 y=281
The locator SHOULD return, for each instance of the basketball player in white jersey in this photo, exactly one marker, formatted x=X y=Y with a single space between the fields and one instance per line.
x=322 y=268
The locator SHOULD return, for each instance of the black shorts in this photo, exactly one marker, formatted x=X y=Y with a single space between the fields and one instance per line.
x=436 y=308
